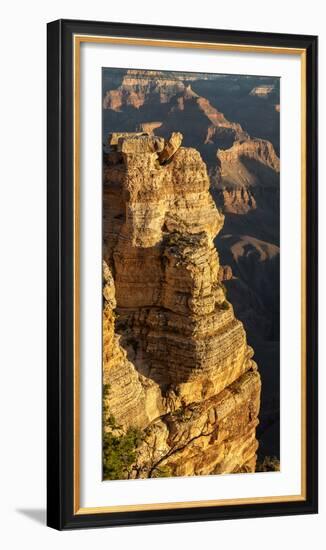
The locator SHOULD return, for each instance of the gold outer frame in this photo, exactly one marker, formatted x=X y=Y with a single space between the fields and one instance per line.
x=84 y=38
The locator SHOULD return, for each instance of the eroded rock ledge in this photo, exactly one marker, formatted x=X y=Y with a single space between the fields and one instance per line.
x=175 y=359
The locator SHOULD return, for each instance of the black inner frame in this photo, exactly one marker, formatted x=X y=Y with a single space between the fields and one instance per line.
x=60 y=375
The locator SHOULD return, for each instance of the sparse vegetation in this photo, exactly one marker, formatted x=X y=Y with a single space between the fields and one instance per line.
x=179 y=413
x=268 y=464
x=174 y=238
x=223 y=287
x=119 y=453
x=119 y=448
x=162 y=471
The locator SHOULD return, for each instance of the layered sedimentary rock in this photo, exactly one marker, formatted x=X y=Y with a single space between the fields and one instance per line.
x=251 y=211
x=129 y=397
x=247 y=172
x=247 y=188
x=189 y=109
x=149 y=127
x=171 y=98
x=196 y=391
x=139 y=86
x=262 y=91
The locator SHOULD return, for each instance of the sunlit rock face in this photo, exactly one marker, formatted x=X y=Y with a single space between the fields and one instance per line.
x=247 y=177
x=129 y=397
x=180 y=367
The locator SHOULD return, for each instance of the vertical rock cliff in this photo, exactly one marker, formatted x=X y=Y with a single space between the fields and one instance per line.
x=175 y=359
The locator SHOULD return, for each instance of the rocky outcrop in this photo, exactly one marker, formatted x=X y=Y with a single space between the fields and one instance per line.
x=218 y=129
x=149 y=127
x=251 y=210
x=253 y=149
x=214 y=436
x=129 y=397
x=262 y=91
x=137 y=86
x=170 y=148
x=247 y=173
x=225 y=273
x=197 y=389
x=171 y=98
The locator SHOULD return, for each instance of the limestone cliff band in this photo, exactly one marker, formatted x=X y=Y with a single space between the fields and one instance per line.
x=176 y=363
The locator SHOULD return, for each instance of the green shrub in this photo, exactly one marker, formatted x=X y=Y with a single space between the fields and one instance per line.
x=224 y=305
x=105 y=394
x=119 y=449
x=174 y=238
x=269 y=464
x=119 y=453
x=162 y=471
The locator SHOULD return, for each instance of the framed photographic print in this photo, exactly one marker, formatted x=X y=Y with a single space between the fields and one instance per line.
x=182 y=274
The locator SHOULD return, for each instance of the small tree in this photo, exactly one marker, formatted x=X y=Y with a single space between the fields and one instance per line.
x=119 y=453
x=119 y=448
x=269 y=464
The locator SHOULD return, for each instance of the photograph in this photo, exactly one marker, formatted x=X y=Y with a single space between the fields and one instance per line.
x=191 y=274
x=182 y=235
x=165 y=227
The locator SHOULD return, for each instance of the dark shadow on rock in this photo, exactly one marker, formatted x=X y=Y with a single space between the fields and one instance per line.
x=35 y=514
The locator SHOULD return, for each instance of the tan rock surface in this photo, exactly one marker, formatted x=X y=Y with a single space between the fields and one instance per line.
x=211 y=437
x=197 y=389
x=136 y=86
x=128 y=397
x=262 y=91
x=246 y=175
